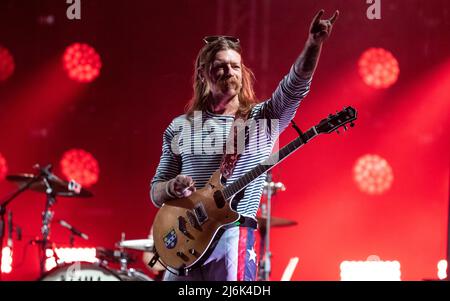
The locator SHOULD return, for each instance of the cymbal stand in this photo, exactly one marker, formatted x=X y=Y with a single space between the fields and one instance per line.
x=47 y=216
x=3 y=206
x=265 y=263
x=123 y=258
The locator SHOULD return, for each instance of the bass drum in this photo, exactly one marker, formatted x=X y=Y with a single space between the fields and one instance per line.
x=80 y=271
x=133 y=275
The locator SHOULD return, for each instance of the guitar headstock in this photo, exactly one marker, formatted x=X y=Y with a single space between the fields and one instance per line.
x=335 y=121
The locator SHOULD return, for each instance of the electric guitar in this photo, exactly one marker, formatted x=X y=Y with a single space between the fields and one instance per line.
x=186 y=230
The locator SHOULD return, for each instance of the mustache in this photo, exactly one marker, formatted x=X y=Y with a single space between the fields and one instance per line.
x=229 y=80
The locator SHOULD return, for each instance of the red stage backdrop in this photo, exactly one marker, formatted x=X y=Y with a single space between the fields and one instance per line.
x=146 y=51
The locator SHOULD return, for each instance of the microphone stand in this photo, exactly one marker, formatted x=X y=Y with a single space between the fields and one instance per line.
x=265 y=234
x=3 y=206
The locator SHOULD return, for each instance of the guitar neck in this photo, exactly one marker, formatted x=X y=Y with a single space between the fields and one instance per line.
x=268 y=164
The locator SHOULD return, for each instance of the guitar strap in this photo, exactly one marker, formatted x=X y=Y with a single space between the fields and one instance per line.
x=232 y=155
x=232 y=150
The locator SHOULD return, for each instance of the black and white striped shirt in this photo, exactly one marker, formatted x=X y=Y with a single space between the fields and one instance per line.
x=192 y=148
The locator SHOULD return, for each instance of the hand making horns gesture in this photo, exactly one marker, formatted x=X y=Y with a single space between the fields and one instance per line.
x=320 y=30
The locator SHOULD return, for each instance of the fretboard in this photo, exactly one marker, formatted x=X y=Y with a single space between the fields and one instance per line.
x=268 y=164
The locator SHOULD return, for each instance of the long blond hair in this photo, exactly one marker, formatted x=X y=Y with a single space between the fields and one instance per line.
x=205 y=57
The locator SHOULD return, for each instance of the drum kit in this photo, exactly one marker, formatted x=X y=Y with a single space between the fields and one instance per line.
x=45 y=181
x=99 y=269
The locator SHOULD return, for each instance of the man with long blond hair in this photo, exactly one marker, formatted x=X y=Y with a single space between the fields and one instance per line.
x=194 y=143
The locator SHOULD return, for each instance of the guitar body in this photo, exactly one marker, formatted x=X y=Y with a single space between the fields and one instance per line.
x=186 y=229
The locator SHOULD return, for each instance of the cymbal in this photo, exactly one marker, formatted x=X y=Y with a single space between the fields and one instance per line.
x=145 y=245
x=275 y=222
x=60 y=186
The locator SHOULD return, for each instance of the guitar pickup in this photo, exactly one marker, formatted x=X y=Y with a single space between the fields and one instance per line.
x=200 y=213
x=193 y=220
x=182 y=226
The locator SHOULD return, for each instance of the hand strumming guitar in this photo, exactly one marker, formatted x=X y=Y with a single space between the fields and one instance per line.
x=181 y=186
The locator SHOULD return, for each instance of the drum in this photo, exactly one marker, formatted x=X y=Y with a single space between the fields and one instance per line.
x=86 y=271
x=80 y=271
x=133 y=275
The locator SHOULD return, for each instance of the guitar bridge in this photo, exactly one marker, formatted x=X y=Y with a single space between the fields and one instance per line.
x=200 y=213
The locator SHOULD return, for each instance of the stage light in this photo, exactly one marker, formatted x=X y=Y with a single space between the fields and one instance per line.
x=81 y=166
x=373 y=174
x=7 y=259
x=50 y=260
x=378 y=68
x=69 y=255
x=7 y=65
x=3 y=167
x=373 y=269
x=82 y=63
x=442 y=269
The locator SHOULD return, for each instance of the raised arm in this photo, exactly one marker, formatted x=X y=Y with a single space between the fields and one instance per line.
x=319 y=31
x=296 y=84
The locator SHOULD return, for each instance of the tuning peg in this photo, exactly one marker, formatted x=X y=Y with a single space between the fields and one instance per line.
x=345 y=127
x=337 y=131
x=352 y=124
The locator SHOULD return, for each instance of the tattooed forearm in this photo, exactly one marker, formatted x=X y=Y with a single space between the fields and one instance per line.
x=306 y=63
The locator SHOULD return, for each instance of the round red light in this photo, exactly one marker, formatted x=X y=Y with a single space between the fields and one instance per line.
x=3 y=167
x=373 y=174
x=82 y=63
x=378 y=68
x=81 y=166
x=7 y=65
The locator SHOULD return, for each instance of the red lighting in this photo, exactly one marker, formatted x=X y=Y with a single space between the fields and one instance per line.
x=373 y=174
x=81 y=166
x=82 y=63
x=6 y=64
x=3 y=167
x=378 y=68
